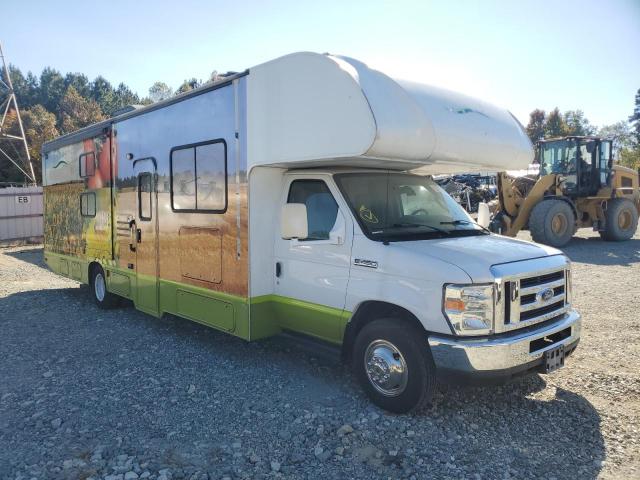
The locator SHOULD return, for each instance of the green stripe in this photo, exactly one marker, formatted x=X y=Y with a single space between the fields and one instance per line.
x=251 y=319
x=271 y=313
x=223 y=311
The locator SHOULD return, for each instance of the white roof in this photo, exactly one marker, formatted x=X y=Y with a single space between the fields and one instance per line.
x=307 y=109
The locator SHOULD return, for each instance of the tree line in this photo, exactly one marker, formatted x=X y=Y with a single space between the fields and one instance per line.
x=53 y=104
x=625 y=133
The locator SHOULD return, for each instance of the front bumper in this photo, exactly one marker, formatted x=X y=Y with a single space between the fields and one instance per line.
x=504 y=355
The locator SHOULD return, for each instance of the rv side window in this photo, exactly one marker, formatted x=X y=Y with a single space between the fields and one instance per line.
x=199 y=177
x=88 y=204
x=145 y=190
x=87 y=164
x=322 y=208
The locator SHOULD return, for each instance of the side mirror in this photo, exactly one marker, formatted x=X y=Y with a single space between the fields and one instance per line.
x=484 y=215
x=293 y=221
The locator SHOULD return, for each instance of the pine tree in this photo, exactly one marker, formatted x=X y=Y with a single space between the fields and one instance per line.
x=535 y=128
x=52 y=89
x=80 y=82
x=104 y=95
x=634 y=119
x=39 y=127
x=123 y=97
x=77 y=112
x=160 y=91
x=577 y=124
x=555 y=125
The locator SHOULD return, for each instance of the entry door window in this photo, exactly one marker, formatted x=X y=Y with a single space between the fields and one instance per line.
x=145 y=190
x=322 y=209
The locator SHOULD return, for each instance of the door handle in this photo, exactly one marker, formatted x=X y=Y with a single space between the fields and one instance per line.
x=138 y=235
x=278 y=269
x=132 y=231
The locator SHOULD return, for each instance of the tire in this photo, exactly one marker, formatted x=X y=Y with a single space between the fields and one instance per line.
x=388 y=342
x=620 y=220
x=98 y=283
x=552 y=222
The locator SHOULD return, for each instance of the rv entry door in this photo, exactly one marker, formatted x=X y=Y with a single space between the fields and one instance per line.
x=145 y=235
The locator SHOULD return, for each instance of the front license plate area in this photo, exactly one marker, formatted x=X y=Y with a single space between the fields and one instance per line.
x=554 y=359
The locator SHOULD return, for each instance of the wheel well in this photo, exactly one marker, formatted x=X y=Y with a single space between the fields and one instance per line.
x=369 y=311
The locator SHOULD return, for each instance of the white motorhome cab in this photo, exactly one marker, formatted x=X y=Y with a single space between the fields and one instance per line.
x=295 y=197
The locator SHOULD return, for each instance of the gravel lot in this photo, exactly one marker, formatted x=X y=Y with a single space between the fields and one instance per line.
x=120 y=395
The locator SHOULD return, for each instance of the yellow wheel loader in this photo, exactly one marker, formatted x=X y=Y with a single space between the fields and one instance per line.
x=577 y=186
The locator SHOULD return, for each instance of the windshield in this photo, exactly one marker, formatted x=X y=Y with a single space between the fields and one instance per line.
x=558 y=157
x=398 y=206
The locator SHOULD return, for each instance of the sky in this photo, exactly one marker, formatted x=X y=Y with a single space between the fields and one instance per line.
x=519 y=55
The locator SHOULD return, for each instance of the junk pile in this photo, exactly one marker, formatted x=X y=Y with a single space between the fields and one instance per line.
x=469 y=190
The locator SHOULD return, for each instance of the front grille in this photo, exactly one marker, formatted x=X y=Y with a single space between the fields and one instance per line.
x=540 y=279
x=524 y=316
x=529 y=299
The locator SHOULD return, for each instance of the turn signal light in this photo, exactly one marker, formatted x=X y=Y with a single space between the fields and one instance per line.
x=454 y=304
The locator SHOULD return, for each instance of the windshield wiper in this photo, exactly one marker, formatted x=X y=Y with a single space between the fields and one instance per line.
x=465 y=222
x=415 y=225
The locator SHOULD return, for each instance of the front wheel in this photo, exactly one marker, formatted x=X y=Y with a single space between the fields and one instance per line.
x=98 y=284
x=552 y=222
x=393 y=364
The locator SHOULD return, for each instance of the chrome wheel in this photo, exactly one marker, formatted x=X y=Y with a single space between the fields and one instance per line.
x=386 y=368
x=99 y=286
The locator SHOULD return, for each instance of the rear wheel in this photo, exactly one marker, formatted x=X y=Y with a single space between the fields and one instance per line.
x=393 y=364
x=552 y=222
x=621 y=220
x=98 y=284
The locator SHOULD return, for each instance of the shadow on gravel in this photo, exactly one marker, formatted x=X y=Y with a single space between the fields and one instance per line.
x=543 y=436
x=595 y=251
x=29 y=255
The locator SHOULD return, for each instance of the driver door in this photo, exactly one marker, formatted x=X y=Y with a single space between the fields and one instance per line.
x=313 y=273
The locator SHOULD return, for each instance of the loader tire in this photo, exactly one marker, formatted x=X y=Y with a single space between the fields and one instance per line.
x=552 y=222
x=621 y=220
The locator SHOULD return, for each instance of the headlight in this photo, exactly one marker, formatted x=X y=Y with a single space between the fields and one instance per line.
x=469 y=308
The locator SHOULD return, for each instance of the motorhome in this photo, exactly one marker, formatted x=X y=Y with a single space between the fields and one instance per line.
x=285 y=198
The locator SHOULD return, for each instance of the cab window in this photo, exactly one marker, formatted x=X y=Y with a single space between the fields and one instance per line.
x=322 y=208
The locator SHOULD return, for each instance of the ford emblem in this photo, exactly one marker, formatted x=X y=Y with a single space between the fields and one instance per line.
x=545 y=295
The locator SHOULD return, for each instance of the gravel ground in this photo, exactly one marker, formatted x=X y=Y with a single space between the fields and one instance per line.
x=120 y=395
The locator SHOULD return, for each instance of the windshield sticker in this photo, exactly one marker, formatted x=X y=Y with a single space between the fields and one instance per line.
x=367 y=215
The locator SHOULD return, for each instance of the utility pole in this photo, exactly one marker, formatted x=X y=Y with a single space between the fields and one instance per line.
x=9 y=103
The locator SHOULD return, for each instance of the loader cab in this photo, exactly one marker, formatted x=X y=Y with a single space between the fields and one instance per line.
x=583 y=162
